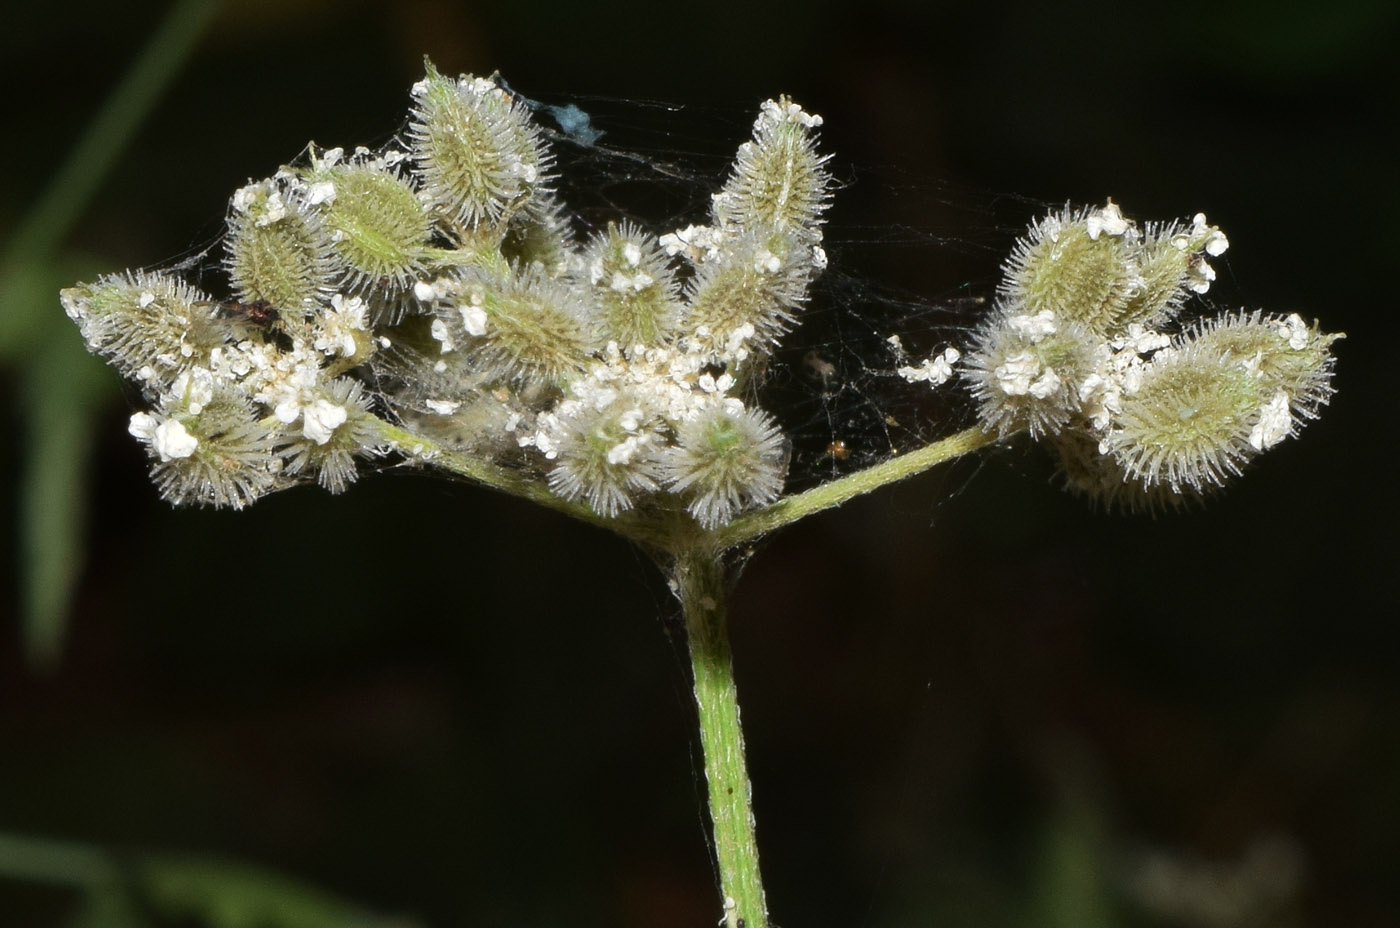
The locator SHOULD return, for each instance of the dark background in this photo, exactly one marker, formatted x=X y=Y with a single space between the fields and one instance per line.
x=969 y=700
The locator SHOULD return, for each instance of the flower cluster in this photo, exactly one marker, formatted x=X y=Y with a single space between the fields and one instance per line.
x=430 y=298
x=1076 y=353
x=434 y=288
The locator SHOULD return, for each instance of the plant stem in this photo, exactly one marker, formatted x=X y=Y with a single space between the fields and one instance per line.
x=700 y=584
x=481 y=470
x=835 y=492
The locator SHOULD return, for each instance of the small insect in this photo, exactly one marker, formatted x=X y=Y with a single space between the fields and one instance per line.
x=260 y=313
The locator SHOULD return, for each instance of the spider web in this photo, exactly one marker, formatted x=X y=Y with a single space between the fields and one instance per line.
x=833 y=382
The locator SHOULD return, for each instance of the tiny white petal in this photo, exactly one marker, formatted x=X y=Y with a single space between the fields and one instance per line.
x=321 y=192
x=1274 y=423
x=439 y=331
x=171 y=441
x=1046 y=384
x=142 y=426
x=320 y=420
x=1033 y=327
x=473 y=319
x=1107 y=220
x=1015 y=375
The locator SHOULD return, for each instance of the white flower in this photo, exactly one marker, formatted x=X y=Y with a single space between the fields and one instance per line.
x=1015 y=375
x=1047 y=384
x=1215 y=242
x=439 y=332
x=427 y=291
x=320 y=419
x=1274 y=423
x=142 y=426
x=263 y=197
x=167 y=437
x=473 y=315
x=765 y=262
x=1294 y=331
x=1140 y=339
x=320 y=192
x=339 y=325
x=1035 y=327
x=172 y=441
x=778 y=113
x=1202 y=274
x=623 y=282
x=1107 y=220
x=700 y=243
x=935 y=370
x=194 y=388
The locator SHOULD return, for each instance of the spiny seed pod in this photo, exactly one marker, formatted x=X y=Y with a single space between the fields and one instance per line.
x=725 y=462
x=221 y=457
x=540 y=233
x=277 y=251
x=1283 y=353
x=377 y=225
x=149 y=325
x=1026 y=371
x=479 y=155
x=745 y=299
x=607 y=456
x=1193 y=421
x=528 y=328
x=632 y=282
x=344 y=416
x=779 y=180
x=1079 y=265
x=1103 y=481
x=1171 y=266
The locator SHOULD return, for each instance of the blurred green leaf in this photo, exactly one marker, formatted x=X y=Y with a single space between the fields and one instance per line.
x=63 y=390
x=108 y=907
x=128 y=892
x=152 y=72
x=223 y=894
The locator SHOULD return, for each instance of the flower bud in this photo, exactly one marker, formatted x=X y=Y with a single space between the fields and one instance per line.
x=334 y=430
x=1283 y=353
x=1172 y=266
x=524 y=327
x=221 y=457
